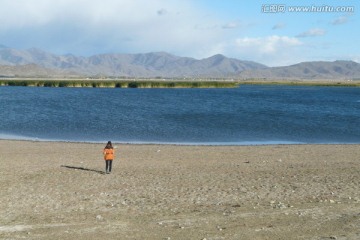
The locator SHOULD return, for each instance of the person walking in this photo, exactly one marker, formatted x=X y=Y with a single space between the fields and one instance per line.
x=109 y=154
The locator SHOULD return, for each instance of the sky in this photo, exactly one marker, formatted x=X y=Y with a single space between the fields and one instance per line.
x=271 y=32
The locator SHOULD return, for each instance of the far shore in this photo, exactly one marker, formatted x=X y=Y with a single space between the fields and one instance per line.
x=170 y=82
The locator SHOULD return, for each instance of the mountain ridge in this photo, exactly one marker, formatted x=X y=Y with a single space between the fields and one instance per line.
x=129 y=65
x=339 y=69
x=37 y=62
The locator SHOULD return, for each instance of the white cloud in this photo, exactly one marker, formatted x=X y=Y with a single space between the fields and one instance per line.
x=340 y=20
x=267 y=45
x=35 y=12
x=230 y=25
x=356 y=59
x=279 y=26
x=270 y=50
x=315 y=32
x=161 y=12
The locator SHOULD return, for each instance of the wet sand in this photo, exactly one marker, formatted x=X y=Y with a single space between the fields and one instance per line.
x=52 y=190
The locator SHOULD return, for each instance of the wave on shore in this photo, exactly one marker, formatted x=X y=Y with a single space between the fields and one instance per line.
x=239 y=143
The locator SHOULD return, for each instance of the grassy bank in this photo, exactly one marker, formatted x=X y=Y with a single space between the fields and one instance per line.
x=170 y=83
x=117 y=83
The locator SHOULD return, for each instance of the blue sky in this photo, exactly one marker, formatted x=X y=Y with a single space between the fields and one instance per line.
x=265 y=31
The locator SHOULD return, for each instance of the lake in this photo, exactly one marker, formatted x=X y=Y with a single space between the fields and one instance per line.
x=247 y=115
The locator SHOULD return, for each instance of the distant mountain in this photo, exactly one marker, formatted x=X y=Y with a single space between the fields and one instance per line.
x=308 y=70
x=129 y=65
x=36 y=62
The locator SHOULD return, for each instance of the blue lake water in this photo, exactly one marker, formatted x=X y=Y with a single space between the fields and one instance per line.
x=241 y=116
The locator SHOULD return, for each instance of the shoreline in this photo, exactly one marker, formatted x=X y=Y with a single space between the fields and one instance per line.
x=177 y=144
x=212 y=144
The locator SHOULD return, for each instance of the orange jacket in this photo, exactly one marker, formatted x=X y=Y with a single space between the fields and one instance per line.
x=109 y=153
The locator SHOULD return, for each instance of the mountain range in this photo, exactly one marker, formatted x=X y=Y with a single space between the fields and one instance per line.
x=39 y=63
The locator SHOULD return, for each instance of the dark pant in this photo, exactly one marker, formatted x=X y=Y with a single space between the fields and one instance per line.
x=108 y=165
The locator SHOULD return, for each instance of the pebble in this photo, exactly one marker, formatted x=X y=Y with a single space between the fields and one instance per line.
x=99 y=218
x=279 y=205
x=219 y=228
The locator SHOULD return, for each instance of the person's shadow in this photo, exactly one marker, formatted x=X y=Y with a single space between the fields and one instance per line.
x=83 y=169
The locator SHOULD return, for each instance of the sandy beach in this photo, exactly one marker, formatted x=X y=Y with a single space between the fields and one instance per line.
x=52 y=190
